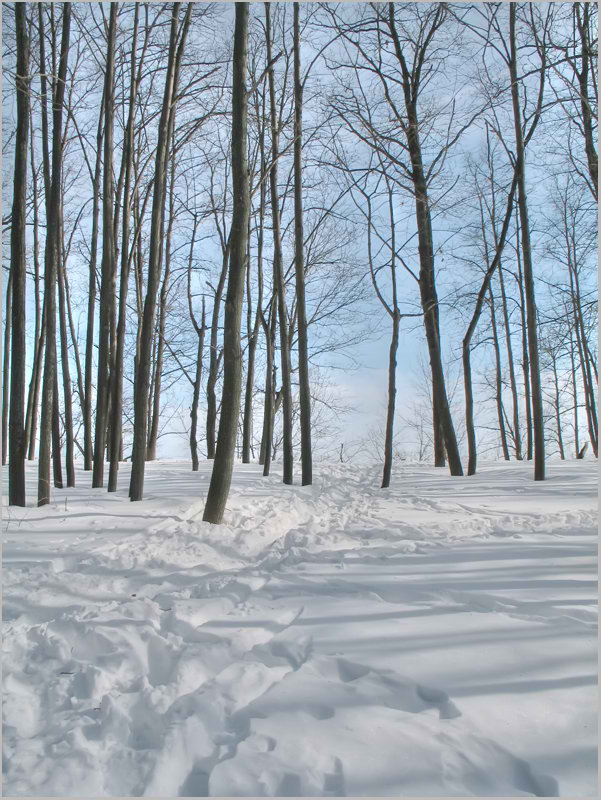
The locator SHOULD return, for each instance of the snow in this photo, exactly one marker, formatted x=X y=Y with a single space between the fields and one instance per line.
x=434 y=639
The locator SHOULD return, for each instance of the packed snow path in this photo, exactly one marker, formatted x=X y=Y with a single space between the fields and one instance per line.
x=434 y=639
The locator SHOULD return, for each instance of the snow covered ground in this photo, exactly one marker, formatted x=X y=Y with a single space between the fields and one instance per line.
x=435 y=639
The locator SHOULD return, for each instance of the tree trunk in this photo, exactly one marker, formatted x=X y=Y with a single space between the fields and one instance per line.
x=117 y=383
x=588 y=128
x=108 y=268
x=439 y=452
x=525 y=359
x=392 y=363
x=68 y=406
x=520 y=167
x=574 y=394
x=303 y=356
x=517 y=439
x=253 y=337
x=467 y=339
x=151 y=452
x=6 y=368
x=498 y=377
x=278 y=271
x=196 y=395
x=88 y=453
x=31 y=415
x=269 y=405
x=232 y=373
x=57 y=470
x=142 y=376
x=16 y=470
x=49 y=407
x=215 y=357
x=557 y=407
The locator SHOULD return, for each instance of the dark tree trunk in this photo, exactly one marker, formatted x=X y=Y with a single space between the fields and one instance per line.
x=427 y=274
x=269 y=406
x=68 y=405
x=303 y=356
x=53 y=184
x=6 y=368
x=439 y=452
x=517 y=438
x=535 y=382
x=117 y=383
x=57 y=469
x=586 y=55
x=16 y=470
x=31 y=415
x=215 y=357
x=201 y=330
x=253 y=337
x=142 y=375
x=151 y=452
x=467 y=339
x=392 y=363
x=525 y=358
x=109 y=266
x=88 y=453
x=278 y=271
x=557 y=406
x=498 y=377
x=232 y=374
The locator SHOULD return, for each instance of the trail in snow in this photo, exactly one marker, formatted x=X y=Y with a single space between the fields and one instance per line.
x=335 y=640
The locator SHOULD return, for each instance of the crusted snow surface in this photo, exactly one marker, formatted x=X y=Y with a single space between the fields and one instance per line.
x=434 y=639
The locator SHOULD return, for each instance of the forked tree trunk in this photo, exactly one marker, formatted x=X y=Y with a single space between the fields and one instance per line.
x=223 y=464
x=467 y=339
x=278 y=271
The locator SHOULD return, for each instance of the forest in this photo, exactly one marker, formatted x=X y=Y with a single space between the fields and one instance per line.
x=299 y=399
x=195 y=238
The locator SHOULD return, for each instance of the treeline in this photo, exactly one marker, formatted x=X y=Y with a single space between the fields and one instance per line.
x=224 y=216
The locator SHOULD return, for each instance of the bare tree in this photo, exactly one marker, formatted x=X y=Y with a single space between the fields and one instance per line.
x=16 y=475
x=223 y=464
x=53 y=203
x=303 y=356
x=177 y=40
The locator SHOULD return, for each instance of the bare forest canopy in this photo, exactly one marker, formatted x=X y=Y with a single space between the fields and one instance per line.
x=210 y=209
